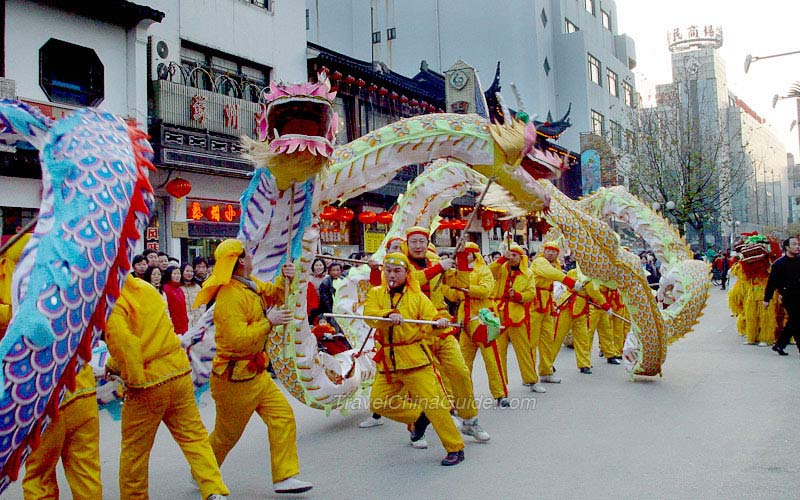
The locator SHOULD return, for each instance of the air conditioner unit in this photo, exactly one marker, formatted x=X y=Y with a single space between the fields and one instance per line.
x=163 y=53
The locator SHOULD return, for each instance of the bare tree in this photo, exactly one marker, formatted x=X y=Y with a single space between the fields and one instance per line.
x=688 y=150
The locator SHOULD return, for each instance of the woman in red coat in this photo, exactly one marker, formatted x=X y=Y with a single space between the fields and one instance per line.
x=176 y=299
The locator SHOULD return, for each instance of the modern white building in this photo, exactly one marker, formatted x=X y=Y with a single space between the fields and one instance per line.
x=60 y=56
x=559 y=53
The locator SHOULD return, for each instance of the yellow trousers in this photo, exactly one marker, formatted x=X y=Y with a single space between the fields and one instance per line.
x=581 y=340
x=405 y=394
x=601 y=322
x=525 y=342
x=172 y=403
x=74 y=437
x=450 y=364
x=491 y=359
x=620 y=329
x=552 y=339
x=236 y=402
x=543 y=327
x=760 y=323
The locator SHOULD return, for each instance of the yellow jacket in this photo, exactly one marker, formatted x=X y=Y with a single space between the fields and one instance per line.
x=404 y=346
x=480 y=284
x=576 y=303
x=544 y=274
x=242 y=328
x=515 y=311
x=430 y=280
x=85 y=386
x=8 y=262
x=141 y=340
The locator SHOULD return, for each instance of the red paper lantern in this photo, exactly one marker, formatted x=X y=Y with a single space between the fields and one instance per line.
x=445 y=224
x=431 y=108
x=344 y=214
x=394 y=96
x=328 y=213
x=337 y=75
x=414 y=103
x=179 y=187
x=360 y=82
x=350 y=79
x=487 y=220
x=367 y=217
x=334 y=88
x=423 y=105
x=384 y=218
x=372 y=87
x=383 y=91
x=404 y=99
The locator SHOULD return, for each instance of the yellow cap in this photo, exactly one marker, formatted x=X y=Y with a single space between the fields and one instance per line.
x=553 y=245
x=226 y=255
x=418 y=230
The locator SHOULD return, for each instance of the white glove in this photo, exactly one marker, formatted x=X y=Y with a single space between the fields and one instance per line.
x=579 y=286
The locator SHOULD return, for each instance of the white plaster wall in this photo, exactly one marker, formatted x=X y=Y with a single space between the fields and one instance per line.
x=275 y=38
x=18 y=192
x=29 y=26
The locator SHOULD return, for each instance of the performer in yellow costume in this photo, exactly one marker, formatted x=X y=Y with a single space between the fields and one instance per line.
x=147 y=355
x=759 y=323
x=73 y=435
x=240 y=383
x=545 y=270
x=736 y=299
x=513 y=293
x=573 y=315
x=428 y=270
x=472 y=286
x=608 y=328
x=405 y=388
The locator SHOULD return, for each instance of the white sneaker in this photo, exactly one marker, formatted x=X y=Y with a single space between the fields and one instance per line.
x=762 y=344
x=370 y=422
x=292 y=485
x=420 y=444
x=538 y=388
x=216 y=497
x=471 y=427
x=549 y=379
x=457 y=421
x=748 y=343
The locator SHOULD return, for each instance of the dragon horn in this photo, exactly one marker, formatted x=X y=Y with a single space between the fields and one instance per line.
x=19 y=119
x=518 y=97
x=506 y=112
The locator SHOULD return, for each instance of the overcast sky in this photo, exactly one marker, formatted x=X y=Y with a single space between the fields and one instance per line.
x=759 y=28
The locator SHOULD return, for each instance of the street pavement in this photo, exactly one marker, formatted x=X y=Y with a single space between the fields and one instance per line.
x=720 y=424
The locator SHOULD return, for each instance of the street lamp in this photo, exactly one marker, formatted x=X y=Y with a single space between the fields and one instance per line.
x=751 y=58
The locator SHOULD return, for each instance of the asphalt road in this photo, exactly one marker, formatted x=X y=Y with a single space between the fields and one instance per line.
x=717 y=425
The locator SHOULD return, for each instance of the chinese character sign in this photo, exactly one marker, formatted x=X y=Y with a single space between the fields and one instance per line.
x=231 y=112
x=197 y=109
x=195 y=211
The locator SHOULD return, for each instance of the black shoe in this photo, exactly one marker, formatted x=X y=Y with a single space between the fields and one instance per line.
x=503 y=403
x=618 y=358
x=601 y=353
x=454 y=458
x=779 y=350
x=418 y=432
x=586 y=370
x=613 y=361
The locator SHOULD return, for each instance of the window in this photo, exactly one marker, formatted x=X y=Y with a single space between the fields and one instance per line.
x=546 y=67
x=627 y=93
x=597 y=123
x=569 y=26
x=376 y=37
x=71 y=74
x=605 y=17
x=391 y=34
x=260 y=3
x=796 y=184
x=594 y=70
x=308 y=19
x=630 y=140
x=612 y=78
x=616 y=134
x=216 y=71
x=589 y=4
x=544 y=18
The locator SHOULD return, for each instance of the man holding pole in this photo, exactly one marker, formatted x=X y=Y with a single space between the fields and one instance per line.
x=240 y=384
x=428 y=270
x=545 y=271
x=405 y=388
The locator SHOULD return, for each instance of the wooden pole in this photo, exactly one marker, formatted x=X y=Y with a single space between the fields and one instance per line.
x=381 y=318
x=16 y=237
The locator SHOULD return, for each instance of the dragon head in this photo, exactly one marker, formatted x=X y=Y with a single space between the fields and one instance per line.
x=539 y=159
x=298 y=127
